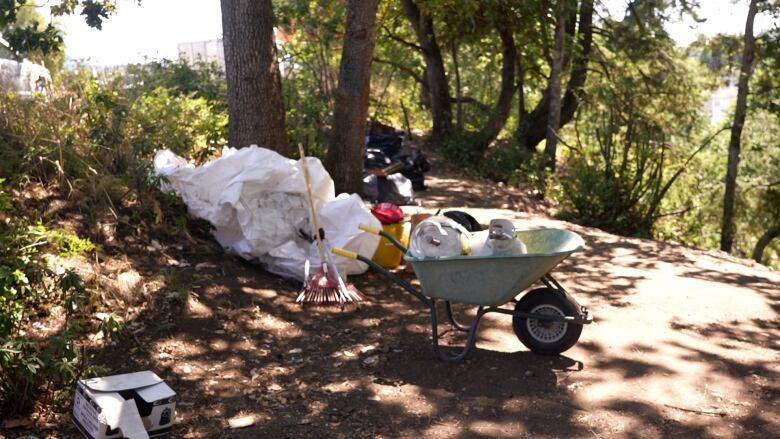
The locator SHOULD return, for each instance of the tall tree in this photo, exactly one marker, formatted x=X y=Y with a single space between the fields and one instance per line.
x=435 y=74
x=344 y=159
x=745 y=71
x=532 y=126
x=554 y=116
x=500 y=112
x=255 y=103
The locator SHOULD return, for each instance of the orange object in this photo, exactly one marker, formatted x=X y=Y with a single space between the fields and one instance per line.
x=387 y=255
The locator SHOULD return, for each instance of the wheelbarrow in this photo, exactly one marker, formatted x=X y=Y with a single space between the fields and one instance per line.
x=547 y=320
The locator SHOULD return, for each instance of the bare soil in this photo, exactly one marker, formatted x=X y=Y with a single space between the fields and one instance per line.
x=684 y=344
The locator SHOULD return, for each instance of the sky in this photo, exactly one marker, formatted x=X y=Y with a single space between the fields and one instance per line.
x=155 y=27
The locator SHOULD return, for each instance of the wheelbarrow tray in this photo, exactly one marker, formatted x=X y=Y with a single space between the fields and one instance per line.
x=494 y=280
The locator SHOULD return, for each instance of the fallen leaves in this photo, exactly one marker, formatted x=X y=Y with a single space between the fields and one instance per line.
x=17 y=422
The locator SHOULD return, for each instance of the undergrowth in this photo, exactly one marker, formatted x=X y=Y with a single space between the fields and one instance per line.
x=88 y=144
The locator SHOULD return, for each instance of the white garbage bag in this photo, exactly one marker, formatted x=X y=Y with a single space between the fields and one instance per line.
x=255 y=198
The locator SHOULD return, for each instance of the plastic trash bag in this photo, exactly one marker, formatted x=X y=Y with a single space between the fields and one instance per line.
x=255 y=199
x=439 y=236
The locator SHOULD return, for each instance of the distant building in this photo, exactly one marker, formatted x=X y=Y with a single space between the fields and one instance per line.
x=213 y=51
x=203 y=51
x=21 y=76
x=722 y=100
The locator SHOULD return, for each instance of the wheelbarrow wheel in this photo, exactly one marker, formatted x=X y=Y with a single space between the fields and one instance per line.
x=546 y=337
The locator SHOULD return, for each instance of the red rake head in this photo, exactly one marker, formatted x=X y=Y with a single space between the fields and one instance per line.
x=325 y=290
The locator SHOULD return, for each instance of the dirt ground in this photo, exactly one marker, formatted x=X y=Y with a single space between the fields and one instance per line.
x=684 y=344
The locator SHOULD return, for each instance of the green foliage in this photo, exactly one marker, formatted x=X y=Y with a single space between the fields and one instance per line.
x=64 y=242
x=635 y=134
x=197 y=124
x=721 y=53
x=93 y=140
x=29 y=366
x=309 y=60
x=765 y=92
x=89 y=129
x=699 y=196
x=179 y=78
x=462 y=149
x=30 y=37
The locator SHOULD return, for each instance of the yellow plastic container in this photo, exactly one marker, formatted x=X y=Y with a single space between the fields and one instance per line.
x=387 y=255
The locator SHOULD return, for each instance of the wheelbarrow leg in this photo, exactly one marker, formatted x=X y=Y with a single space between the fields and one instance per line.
x=459 y=326
x=471 y=338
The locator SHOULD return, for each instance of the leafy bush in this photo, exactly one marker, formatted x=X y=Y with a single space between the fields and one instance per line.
x=91 y=139
x=202 y=80
x=32 y=367
x=637 y=131
x=464 y=149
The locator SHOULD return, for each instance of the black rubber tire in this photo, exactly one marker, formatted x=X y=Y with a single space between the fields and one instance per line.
x=532 y=332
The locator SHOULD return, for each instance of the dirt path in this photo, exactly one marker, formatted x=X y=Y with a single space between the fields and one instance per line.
x=685 y=344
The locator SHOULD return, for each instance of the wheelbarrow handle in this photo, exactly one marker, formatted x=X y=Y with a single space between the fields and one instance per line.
x=377 y=231
x=381 y=270
x=344 y=253
x=369 y=229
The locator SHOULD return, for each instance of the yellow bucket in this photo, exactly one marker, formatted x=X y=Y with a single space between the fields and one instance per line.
x=387 y=255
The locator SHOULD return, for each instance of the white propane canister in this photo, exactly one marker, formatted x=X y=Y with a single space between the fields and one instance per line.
x=439 y=236
x=498 y=240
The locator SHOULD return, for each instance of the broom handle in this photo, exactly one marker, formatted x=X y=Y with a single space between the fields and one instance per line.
x=311 y=203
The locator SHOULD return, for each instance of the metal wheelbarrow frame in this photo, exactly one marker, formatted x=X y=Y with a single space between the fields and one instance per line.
x=547 y=320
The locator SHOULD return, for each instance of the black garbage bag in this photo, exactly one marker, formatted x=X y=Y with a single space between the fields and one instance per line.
x=389 y=144
x=383 y=151
x=391 y=189
x=464 y=219
x=415 y=164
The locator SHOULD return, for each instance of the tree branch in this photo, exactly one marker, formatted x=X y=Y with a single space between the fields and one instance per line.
x=406 y=69
x=394 y=37
x=766 y=238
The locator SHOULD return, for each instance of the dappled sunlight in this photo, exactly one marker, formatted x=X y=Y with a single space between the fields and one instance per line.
x=683 y=344
x=647 y=367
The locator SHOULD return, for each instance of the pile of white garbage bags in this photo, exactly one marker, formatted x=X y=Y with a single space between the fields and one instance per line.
x=255 y=199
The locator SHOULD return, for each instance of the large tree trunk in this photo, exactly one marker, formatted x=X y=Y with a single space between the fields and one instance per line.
x=766 y=238
x=441 y=106
x=745 y=71
x=532 y=126
x=554 y=115
x=500 y=112
x=344 y=159
x=255 y=103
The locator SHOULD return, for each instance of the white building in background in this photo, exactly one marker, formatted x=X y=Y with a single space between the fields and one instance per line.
x=203 y=51
x=21 y=76
x=722 y=100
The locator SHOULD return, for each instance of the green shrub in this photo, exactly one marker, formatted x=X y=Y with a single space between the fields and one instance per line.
x=464 y=149
x=31 y=368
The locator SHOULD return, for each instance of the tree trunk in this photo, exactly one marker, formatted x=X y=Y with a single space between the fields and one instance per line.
x=532 y=127
x=745 y=71
x=579 y=69
x=554 y=115
x=344 y=159
x=766 y=238
x=441 y=107
x=500 y=112
x=458 y=94
x=255 y=103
